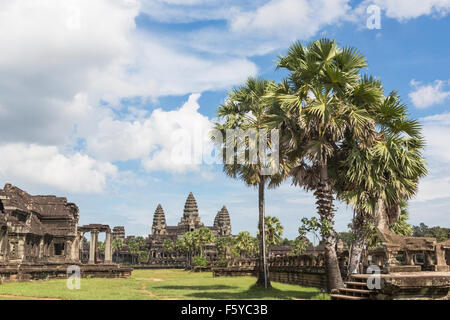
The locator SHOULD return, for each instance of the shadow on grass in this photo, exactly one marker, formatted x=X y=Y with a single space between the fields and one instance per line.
x=254 y=292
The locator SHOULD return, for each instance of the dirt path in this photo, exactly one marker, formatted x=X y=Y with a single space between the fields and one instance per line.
x=150 y=279
x=151 y=294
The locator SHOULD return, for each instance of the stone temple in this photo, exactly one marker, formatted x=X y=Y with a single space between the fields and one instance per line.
x=189 y=222
x=40 y=238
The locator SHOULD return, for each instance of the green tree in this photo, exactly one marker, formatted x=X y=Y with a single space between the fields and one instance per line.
x=203 y=237
x=226 y=247
x=246 y=245
x=117 y=245
x=134 y=246
x=246 y=109
x=143 y=256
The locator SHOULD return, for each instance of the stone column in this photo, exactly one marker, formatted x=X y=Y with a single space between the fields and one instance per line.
x=2 y=245
x=93 y=246
x=108 y=248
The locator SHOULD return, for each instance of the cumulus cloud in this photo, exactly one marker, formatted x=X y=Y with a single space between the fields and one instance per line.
x=410 y=9
x=290 y=18
x=61 y=54
x=436 y=185
x=428 y=95
x=45 y=165
x=173 y=141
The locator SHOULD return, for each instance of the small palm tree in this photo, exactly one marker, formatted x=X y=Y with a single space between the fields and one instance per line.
x=246 y=109
x=246 y=245
x=274 y=230
x=117 y=245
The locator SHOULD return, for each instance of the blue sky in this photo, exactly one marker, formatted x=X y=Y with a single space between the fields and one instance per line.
x=91 y=95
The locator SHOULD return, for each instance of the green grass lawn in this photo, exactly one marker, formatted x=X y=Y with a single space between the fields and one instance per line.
x=158 y=284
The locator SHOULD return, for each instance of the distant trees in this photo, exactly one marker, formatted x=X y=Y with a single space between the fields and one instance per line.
x=134 y=247
x=192 y=243
x=422 y=230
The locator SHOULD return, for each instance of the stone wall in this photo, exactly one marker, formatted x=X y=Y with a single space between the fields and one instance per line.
x=59 y=271
x=303 y=270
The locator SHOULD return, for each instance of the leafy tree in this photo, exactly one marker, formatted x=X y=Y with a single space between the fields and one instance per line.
x=200 y=261
x=440 y=233
x=143 y=256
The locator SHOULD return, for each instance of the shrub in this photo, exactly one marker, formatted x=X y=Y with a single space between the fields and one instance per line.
x=200 y=261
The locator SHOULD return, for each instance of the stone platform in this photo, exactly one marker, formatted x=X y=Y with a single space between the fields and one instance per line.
x=27 y=272
x=424 y=285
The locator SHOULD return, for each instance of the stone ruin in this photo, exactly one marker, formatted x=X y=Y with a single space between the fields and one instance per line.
x=40 y=238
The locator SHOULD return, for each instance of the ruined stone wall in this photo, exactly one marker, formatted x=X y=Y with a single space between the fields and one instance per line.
x=303 y=270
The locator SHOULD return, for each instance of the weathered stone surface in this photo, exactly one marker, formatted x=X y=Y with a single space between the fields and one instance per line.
x=40 y=237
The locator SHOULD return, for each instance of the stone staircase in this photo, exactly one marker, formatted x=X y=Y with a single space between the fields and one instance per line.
x=355 y=289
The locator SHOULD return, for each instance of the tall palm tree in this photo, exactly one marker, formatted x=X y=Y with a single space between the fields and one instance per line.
x=246 y=109
x=322 y=103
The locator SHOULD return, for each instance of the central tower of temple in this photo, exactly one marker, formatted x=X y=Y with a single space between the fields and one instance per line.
x=190 y=220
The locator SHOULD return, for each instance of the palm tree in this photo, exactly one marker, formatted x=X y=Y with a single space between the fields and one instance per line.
x=388 y=173
x=117 y=245
x=274 y=230
x=246 y=110
x=203 y=236
x=322 y=103
x=133 y=248
x=246 y=244
x=225 y=246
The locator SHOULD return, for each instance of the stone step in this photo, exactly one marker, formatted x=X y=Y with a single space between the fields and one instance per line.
x=356 y=284
x=335 y=296
x=354 y=292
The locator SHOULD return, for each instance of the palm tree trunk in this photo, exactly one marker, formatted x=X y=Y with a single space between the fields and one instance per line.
x=324 y=196
x=357 y=245
x=263 y=272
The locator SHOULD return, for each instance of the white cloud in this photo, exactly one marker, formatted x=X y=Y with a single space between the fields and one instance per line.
x=410 y=9
x=165 y=140
x=436 y=185
x=290 y=18
x=425 y=96
x=58 y=56
x=252 y=27
x=44 y=165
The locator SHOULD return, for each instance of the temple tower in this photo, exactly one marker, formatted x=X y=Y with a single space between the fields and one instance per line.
x=159 y=221
x=190 y=220
x=222 y=222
